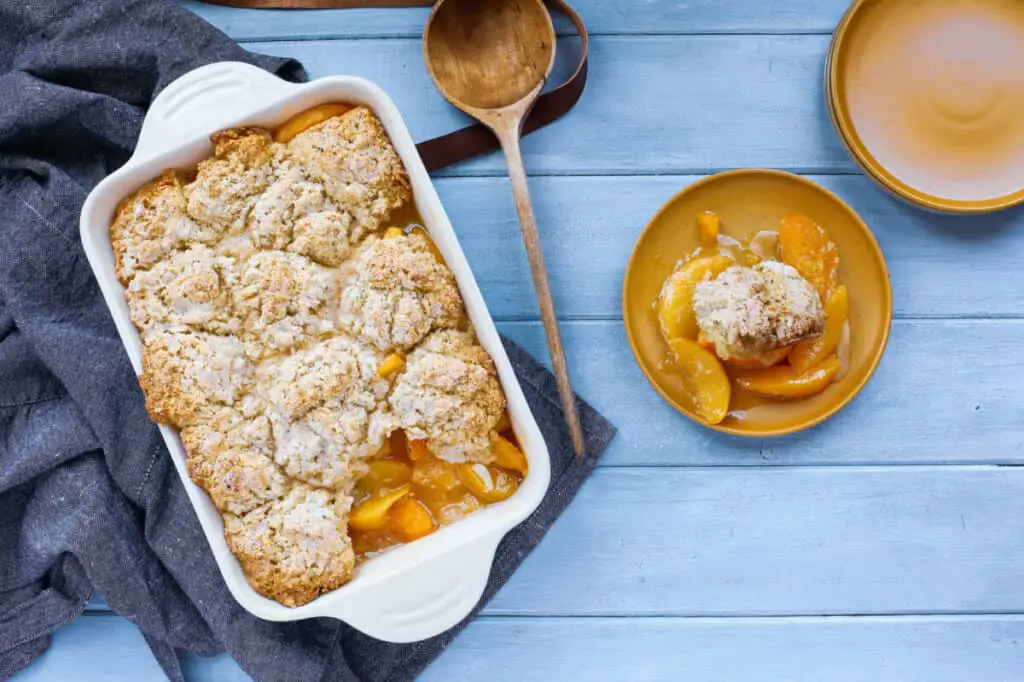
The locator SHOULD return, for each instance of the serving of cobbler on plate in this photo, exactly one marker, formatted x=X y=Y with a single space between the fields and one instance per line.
x=305 y=336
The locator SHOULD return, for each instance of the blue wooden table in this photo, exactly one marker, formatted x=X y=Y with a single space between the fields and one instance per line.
x=885 y=545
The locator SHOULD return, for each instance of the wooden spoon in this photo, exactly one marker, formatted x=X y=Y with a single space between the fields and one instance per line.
x=490 y=58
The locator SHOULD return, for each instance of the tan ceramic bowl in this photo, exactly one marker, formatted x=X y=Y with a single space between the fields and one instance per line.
x=749 y=201
x=928 y=98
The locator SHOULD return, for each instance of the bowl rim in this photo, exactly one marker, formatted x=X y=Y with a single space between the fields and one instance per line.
x=866 y=161
x=876 y=358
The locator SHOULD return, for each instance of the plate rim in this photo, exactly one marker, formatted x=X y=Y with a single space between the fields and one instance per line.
x=845 y=130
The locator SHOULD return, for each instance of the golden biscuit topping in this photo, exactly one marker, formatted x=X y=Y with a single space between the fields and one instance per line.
x=449 y=395
x=397 y=292
x=275 y=330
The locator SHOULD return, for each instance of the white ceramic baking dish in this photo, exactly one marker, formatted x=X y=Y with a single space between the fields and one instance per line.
x=411 y=592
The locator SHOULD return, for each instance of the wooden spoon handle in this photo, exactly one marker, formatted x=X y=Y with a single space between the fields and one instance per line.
x=510 y=145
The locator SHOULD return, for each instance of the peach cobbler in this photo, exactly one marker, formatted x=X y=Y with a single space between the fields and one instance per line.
x=757 y=321
x=303 y=333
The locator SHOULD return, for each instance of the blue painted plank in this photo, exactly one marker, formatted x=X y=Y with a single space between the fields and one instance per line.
x=931 y=649
x=737 y=650
x=589 y=226
x=780 y=541
x=653 y=105
x=649 y=17
x=947 y=391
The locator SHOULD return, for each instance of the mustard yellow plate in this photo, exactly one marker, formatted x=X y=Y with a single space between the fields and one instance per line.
x=749 y=201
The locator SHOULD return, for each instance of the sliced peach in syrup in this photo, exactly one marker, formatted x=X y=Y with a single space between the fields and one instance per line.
x=766 y=359
x=782 y=381
x=392 y=363
x=708 y=227
x=810 y=352
x=675 y=303
x=384 y=474
x=418 y=450
x=487 y=483
x=373 y=513
x=806 y=246
x=705 y=379
x=508 y=456
x=307 y=119
x=410 y=520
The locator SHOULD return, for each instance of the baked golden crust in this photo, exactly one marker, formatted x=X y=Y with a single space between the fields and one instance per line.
x=396 y=292
x=282 y=299
x=227 y=185
x=449 y=395
x=295 y=548
x=267 y=310
x=360 y=170
x=187 y=375
x=181 y=292
x=151 y=223
x=230 y=456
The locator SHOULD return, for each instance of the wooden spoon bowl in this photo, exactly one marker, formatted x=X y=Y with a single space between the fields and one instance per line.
x=486 y=55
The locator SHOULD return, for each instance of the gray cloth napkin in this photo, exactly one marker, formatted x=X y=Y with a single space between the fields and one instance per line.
x=89 y=499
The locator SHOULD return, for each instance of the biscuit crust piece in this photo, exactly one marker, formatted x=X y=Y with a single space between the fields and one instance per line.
x=354 y=159
x=152 y=223
x=229 y=456
x=282 y=299
x=186 y=375
x=296 y=548
x=227 y=185
x=183 y=291
x=449 y=395
x=396 y=292
x=746 y=312
x=325 y=402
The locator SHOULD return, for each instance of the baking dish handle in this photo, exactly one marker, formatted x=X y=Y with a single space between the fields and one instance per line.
x=427 y=600
x=203 y=100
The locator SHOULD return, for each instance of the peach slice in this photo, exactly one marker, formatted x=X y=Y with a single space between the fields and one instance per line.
x=410 y=520
x=431 y=473
x=675 y=303
x=807 y=247
x=810 y=352
x=487 y=483
x=418 y=450
x=383 y=474
x=783 y=381
x=393 y=363
x=704 y=377
x=508 y=456
x=373 y=513
x=307 y=119
x=767 y=359
x=708 y=227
